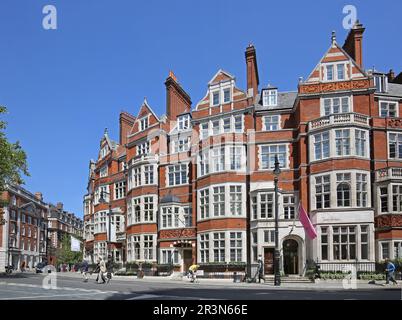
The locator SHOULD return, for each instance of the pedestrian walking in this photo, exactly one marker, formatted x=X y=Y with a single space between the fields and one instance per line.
x=102 y=269
x=260 y=269
x=109 y=267
x=84 y=270
x=390 y=271
x=97 y=270
x=22 y=266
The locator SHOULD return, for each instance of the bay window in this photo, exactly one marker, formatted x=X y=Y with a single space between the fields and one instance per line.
x=235 y=200
x=322 y=192
x=266 y=205
x=204 y=248
x=343 y=189
x=342 y=142
x=321 y=145
x=236 y=246
x=360 y=143
x=218 y=201
x=219 y=246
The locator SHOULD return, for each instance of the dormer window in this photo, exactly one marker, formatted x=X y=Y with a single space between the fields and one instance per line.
x=335 y=72
x=215 y=98
x=104 y=152
x=269 y=97
x=184 y=122
x=330 y=72
x=226 y=95
x=340 y=71
x=381 y=82
x=144 y=123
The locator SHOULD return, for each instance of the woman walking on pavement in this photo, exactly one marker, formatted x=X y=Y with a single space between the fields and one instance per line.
x=102 y=268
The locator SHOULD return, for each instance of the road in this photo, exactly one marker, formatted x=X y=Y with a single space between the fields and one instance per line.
x=29 y=287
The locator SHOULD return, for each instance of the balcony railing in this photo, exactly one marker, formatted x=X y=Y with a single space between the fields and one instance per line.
x=388 y=173
x=341 y=118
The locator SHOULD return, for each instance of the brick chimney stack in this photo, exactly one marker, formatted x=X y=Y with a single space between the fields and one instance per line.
x=252 y=71
x=391 y=75
x=126 y=122
x=59 y=205
x=354 y=43
x=39 y=196
x=177 y=100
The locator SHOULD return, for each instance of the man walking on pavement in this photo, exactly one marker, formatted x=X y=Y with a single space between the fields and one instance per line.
x=260 y=269
x=390 y=271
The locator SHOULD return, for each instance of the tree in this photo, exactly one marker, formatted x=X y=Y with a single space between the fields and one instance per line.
x=64 y=253
x=13 y=160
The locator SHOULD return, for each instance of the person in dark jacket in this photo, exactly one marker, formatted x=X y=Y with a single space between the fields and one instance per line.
x=97 y=270
x=84 y=270
x=109 y=269
x=260 y=269
x=390 y=271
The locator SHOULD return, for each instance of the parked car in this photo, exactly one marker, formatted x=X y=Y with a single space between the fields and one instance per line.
x=39 y=267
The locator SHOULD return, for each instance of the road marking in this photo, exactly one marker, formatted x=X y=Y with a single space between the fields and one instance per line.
x=57 y=288
x=144 y=296
x=53 y=295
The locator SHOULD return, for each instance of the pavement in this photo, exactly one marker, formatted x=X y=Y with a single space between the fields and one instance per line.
x=69 y=286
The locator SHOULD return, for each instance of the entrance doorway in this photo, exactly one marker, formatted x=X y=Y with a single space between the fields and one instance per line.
x=187 y=259
x=290 y=256
x=269 y=260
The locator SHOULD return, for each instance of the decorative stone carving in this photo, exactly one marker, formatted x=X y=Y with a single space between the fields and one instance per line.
x=334 y=86
x=177 y=233
x=395 y=123
x=389 y=220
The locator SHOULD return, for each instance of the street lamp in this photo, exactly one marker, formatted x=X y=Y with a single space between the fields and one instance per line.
x=277 y=172
x=102 y=200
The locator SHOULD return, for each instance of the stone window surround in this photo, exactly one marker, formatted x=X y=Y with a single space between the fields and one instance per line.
x=130 y=207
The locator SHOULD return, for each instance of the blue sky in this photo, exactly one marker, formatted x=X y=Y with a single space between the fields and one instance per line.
x=63 y=87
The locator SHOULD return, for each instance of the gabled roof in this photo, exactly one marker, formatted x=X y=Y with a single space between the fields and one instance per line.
x=220 y=76
x=333 y=54
x=147 y=106
x=112 y=144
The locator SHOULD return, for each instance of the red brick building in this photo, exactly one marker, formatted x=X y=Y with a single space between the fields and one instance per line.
x=199 y=182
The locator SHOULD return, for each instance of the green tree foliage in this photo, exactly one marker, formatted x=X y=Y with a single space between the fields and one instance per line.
x=13 y=160
x=64 y=253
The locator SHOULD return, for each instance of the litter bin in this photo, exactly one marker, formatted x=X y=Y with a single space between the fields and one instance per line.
x=236 y=277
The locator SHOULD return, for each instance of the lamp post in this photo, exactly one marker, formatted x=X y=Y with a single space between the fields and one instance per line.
x=277 y=279
x=102 y=200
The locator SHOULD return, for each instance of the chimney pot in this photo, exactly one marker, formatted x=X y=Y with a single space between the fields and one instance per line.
x=39 y=196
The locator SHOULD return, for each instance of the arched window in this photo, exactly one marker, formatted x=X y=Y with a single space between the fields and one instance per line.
x=343 y=195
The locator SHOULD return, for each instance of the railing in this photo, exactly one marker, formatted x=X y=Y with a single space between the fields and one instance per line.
x=388 y=173
x=340 y=118
x=144 y=157
x=347 y=266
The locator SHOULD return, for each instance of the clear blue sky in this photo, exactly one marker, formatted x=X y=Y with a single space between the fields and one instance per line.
x=63 y=87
